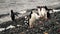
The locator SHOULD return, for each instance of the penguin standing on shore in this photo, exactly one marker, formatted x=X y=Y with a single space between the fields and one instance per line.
x=29 y=17
x=12 y=15
x=33 y=17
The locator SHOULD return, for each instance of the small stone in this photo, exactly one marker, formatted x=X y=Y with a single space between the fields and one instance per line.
x=41 y=27
x=57 y=22
x=22 y=33
x=27 y=30
x=45 y=32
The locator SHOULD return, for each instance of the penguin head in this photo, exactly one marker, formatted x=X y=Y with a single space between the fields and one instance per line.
x=11 y=11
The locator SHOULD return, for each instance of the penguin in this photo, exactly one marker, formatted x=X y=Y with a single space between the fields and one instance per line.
x=48 y=15
x=33 y=16
x=12 y=16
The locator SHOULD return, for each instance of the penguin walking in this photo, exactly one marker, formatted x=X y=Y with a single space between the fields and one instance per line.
x=13 y=18
x=32 y=19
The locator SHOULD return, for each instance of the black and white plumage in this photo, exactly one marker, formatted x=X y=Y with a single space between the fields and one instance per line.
x=33 y=18
x=42 y=10
x=13 y=15
x=48 y=13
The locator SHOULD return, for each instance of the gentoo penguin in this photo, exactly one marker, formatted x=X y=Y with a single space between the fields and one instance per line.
x=42 y=10
x=33 y=18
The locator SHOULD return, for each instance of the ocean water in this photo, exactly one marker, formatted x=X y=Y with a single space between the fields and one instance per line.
x=18 y=5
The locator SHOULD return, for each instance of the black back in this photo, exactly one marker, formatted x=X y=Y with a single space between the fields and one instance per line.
x=48 y=15
x=30 y=14
x=12 y=15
